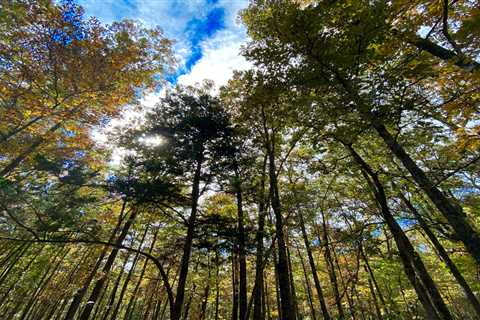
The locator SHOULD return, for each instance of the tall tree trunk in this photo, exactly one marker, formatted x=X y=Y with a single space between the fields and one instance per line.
x=258 y=312
x=140 y=278
x=286 y=299
x=45 y=278
x=313 y=269
x=113 y=292
x=22 y=273
x=266 y=299
x=292 y=282
x=189 y=302
x=129 y=276
x=15 y=257
x=206 y=294
x=452 y=212
x=442 y=253
x=331 y=269
x=410 y=258
x=217 y=283
x=242 y=260
x=277 y=284
x=234 y=285
x=374 y=296
x=308 y=289
x=176 y=313
x=97 y=289
x=80 y=293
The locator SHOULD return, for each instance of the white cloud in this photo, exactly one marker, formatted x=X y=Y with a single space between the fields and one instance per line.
x=221 y=56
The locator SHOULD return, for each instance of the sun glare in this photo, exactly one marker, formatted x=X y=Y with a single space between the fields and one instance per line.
x=152 y=141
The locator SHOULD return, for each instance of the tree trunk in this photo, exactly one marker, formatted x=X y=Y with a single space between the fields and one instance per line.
x=234 y=285
x=292 y=282
x=331 y=269
x=313 y=269
x=410 y=258
x=258 y=312
x=97 y=289
x=442 y=253
x=51 y=269
x=308 y=289
x=286 y=302
x=113 y=293
x=242 y=293
x=80 y=293
x=129 y=276
x=140 y=278
x=452 y=212
x=176 y=313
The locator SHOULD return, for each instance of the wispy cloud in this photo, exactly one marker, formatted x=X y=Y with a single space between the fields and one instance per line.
x=207 y=38
x=195 y=25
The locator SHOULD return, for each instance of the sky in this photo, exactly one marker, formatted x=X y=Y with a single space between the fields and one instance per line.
x=207 y=33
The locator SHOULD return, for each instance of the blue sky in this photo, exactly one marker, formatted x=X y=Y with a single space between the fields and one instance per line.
x=207 y=38
x=207 y=33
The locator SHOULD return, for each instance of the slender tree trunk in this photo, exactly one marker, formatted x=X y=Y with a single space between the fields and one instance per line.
x=452 y=212
x=286 y=299
x=176 y=313
x=277 y=284
x=80 y=293
x=374 y=296
x=97 y=289
x=258 y=312
x=17 y=255
x=234 y=285
x=442 y=253
x=45 y=278
x=22 y=273
x=242 y=294
x=406 y=251
x=113 y=292
x=292 y=282
x=266 y=299
x=217 y=284
x=331 y=269
x=129 y=276
x=313 y=269
x=189 y=302
x=140 y=278
x=308 y=289
x=206 y=294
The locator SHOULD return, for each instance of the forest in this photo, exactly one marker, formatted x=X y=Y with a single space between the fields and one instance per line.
x=337 y=178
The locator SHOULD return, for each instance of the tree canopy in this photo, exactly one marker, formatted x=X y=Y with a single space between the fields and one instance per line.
x=338 y=178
